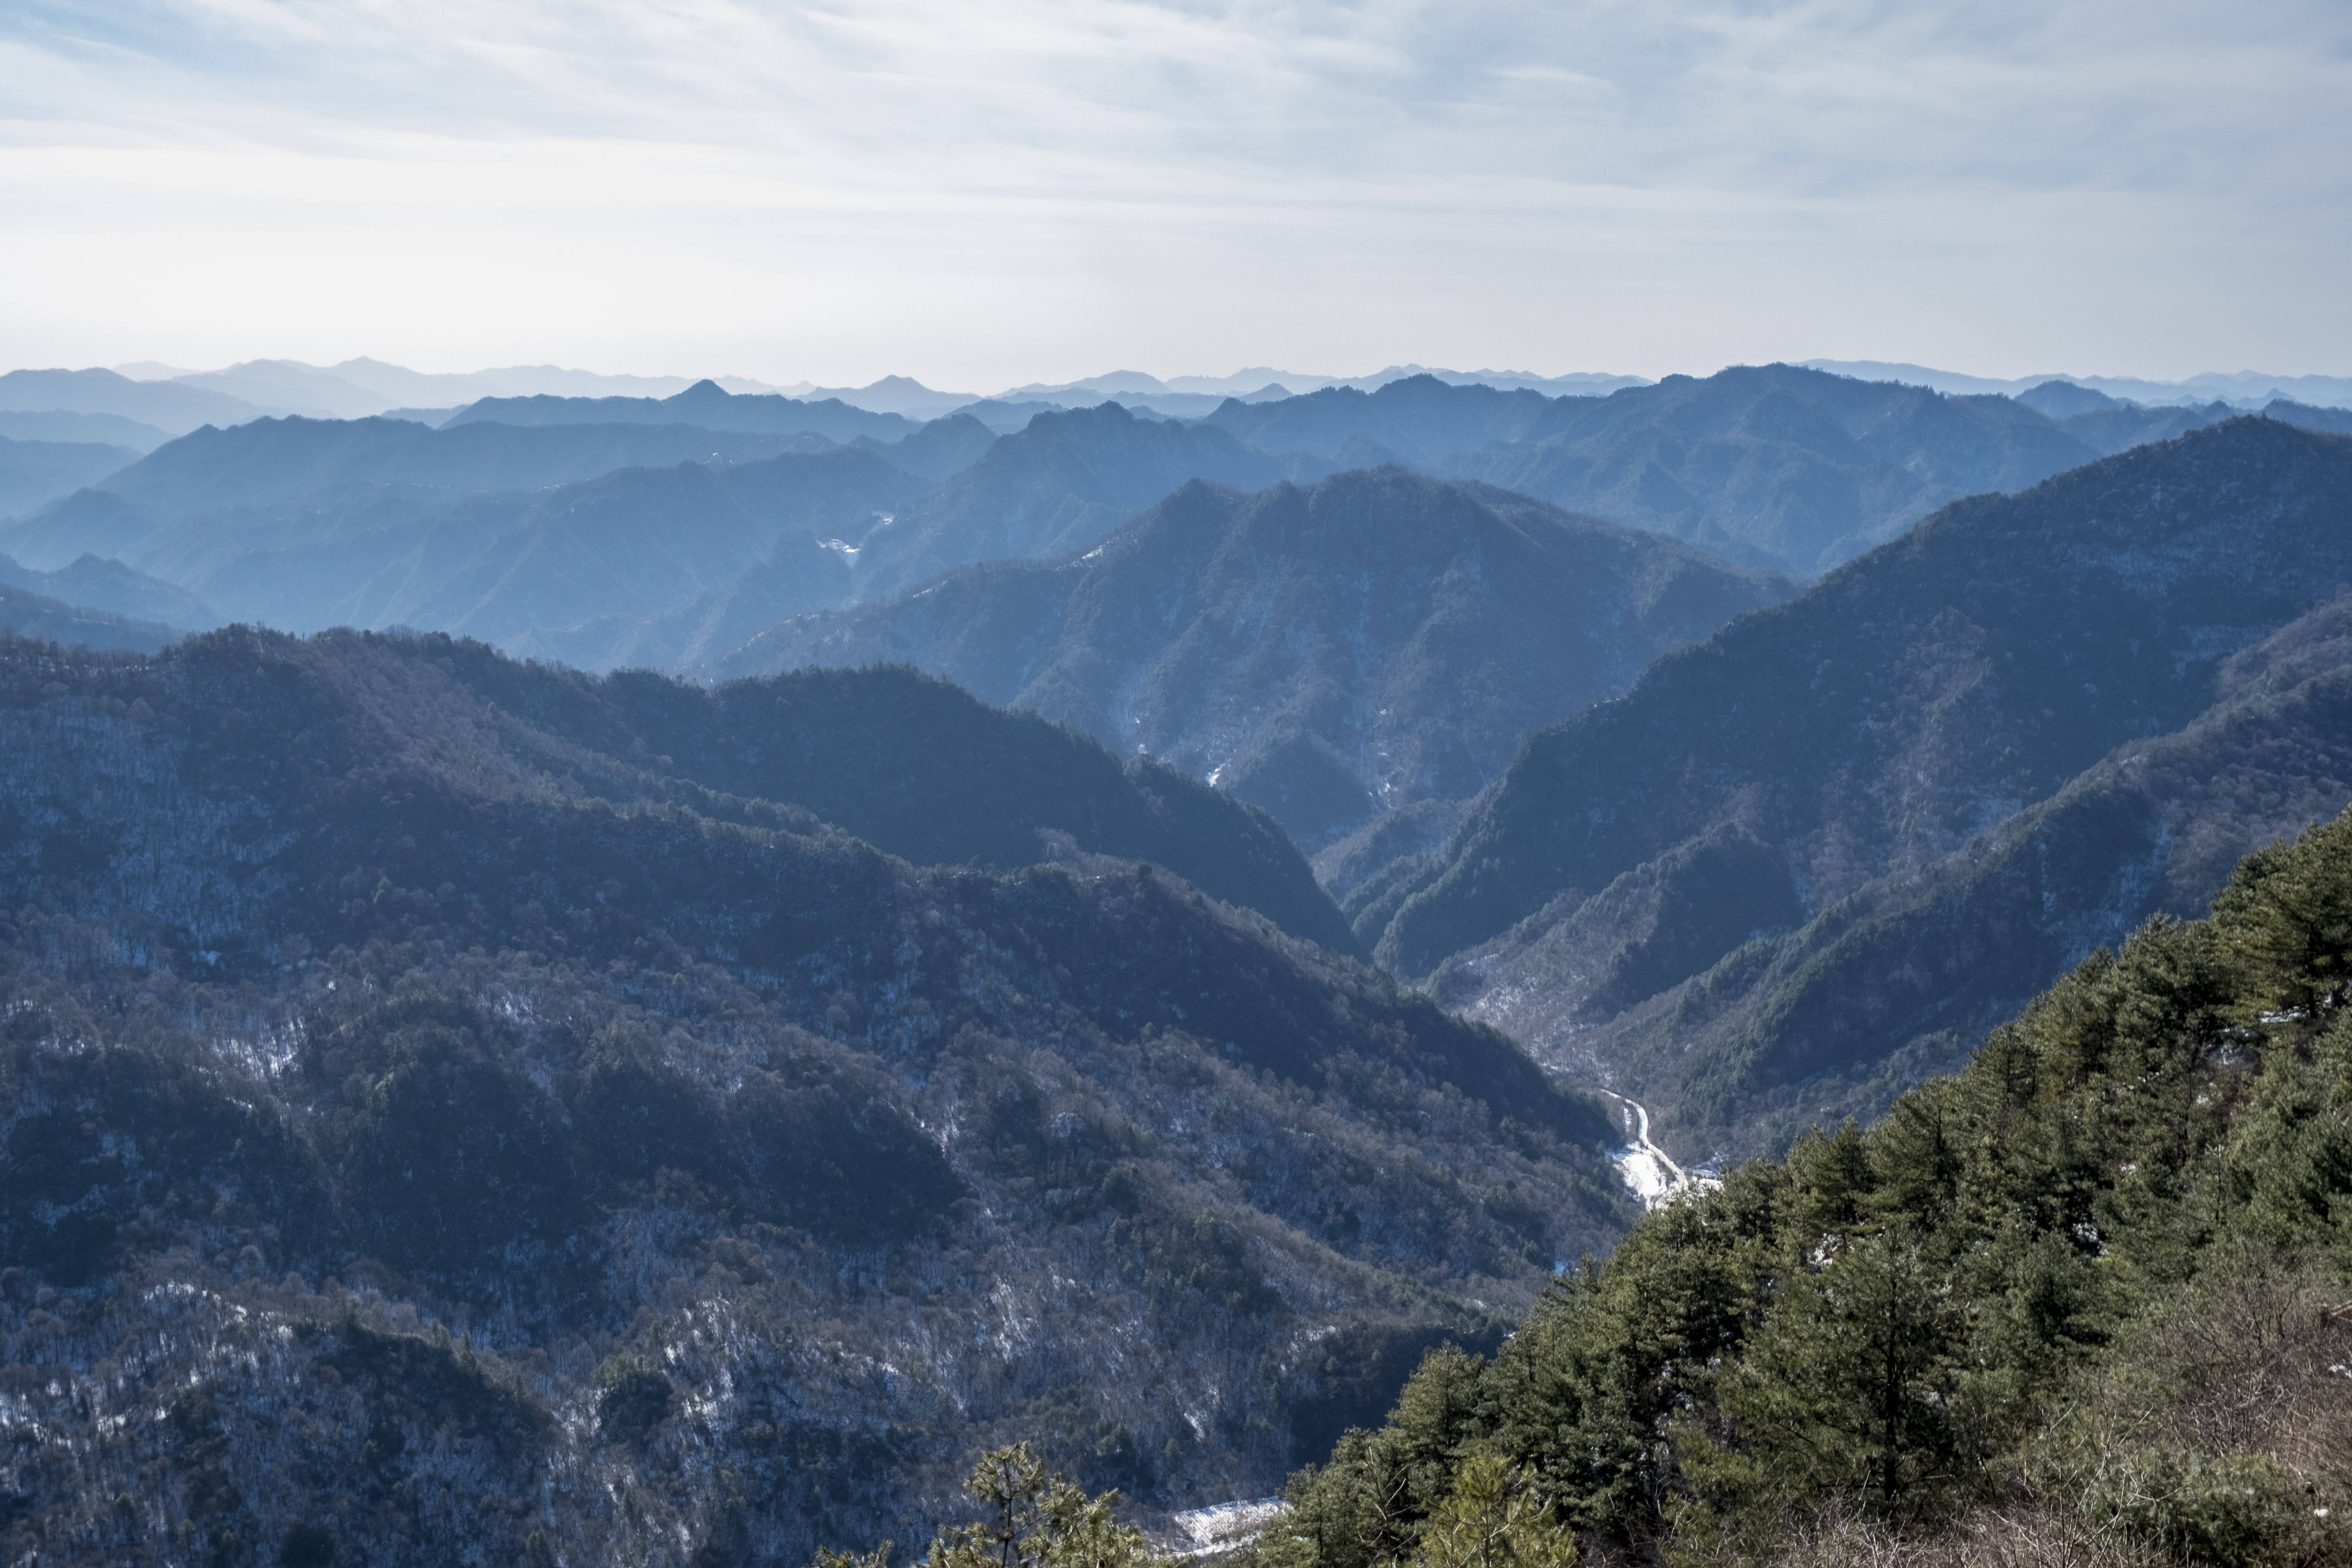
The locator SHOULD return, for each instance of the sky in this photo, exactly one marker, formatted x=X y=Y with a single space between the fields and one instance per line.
x=985 y=193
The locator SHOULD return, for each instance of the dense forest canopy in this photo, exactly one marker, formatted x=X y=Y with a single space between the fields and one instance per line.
x=447 y=1109
x=2085 y=1300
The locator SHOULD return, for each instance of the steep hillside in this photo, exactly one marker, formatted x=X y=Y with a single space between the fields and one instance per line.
x=1325 y=653
x=1062 y=483
x=705 y=404
x=415 y=1154
x=1774 y=465
x=1811 y=768
x=1903 y=976
x=2080 y=1302
x=910 y=764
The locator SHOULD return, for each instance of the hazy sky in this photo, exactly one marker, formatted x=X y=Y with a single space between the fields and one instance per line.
x=981 y=194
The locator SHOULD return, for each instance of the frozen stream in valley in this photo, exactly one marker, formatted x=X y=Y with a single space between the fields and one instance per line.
x=1644 y=1167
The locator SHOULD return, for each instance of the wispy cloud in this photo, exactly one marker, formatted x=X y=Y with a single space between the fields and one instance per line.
x=983 y=193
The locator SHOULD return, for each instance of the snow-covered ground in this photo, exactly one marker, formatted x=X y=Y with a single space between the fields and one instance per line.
x=1643 y=1165
x=1225 y=1527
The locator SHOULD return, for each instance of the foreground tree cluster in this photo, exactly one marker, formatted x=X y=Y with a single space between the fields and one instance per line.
x=2089 y=1299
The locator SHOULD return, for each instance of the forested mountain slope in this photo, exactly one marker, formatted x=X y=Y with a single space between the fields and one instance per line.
x=910 y=764
x=2080 y=1302
x=414 y=1153
x=1832 y=749
x=1902 y=976
x=1325 y=653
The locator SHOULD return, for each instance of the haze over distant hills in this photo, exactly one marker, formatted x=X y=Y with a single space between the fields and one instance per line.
x=2241 y=389
x=299 y=523
x=1775 y=465
x=357 y=387
x=704 y=404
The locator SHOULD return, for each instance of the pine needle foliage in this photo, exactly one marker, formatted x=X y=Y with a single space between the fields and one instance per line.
x=2086 y=1300
x=1033 y=1517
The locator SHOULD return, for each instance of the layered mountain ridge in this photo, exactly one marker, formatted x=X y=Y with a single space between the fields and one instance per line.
x=301 y=519
x=1724 y=857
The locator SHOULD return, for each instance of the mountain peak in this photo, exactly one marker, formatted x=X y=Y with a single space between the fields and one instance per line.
x=1226 y=632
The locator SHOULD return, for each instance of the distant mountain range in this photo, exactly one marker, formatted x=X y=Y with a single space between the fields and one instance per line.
x=1325 y=653
x=301 y=523
x=705 y=404
x=1774 y=466
x=358 y=388
x=2242 y=389
x=1798 y=864
x=270 y=463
